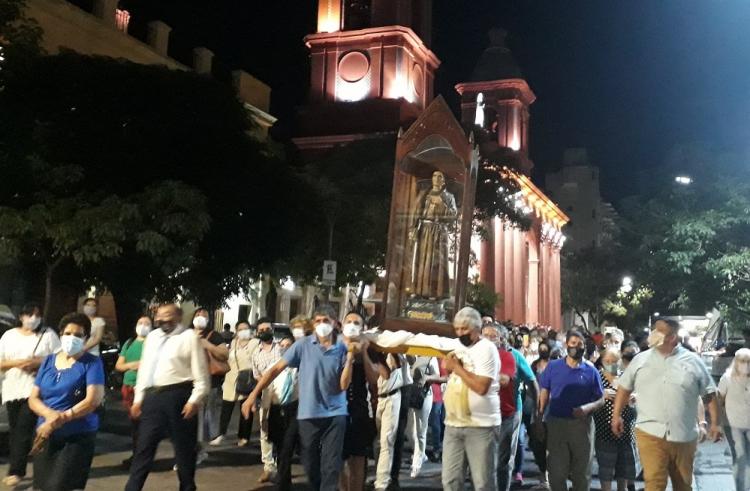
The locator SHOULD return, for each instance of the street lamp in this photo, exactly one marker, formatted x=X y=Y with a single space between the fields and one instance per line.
x=627 y=284
x=684 y=180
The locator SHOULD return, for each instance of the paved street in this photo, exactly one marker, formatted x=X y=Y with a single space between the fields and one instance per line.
x=230 y=467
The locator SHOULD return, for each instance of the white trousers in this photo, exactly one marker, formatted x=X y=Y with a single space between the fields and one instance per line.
x=420 y=419
x=386 y=418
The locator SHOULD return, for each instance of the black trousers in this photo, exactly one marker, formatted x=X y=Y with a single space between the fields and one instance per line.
x=283 y=429
x=65 y=463
x=22 y=423
x=322 y=442
x=246 y=425
x=160 y=417
x=398 y=445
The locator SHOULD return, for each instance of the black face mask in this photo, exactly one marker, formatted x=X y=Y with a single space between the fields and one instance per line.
x=628 y=356
x=544 y=354
x=165 y=326
x=265 y=336
x=465 y=339
x=575 y=352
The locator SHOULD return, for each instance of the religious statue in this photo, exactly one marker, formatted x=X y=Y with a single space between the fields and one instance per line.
x=435 y=214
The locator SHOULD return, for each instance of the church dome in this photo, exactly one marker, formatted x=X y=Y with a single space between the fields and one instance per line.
x=497 y=62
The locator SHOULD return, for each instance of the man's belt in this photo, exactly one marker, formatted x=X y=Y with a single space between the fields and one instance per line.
x=389 y=394
x=165 y=388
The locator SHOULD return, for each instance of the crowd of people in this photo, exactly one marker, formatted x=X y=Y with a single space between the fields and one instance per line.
x=325 y=393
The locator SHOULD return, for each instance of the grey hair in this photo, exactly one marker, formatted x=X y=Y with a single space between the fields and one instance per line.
x=468 y=316
x=327 y=310
x=502 y=331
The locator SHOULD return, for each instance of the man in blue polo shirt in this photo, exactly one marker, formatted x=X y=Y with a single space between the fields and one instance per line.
x=571 y=390
x=325 y=371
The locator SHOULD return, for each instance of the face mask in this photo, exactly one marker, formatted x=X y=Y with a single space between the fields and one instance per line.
x=298 y=333
x=465 y=339
x=610 y=368
x=166 y=326
x=265 y=336
x=544 y=354
x=323 y=330
x=744 y=368
x=628 y=356
x=352 y=330
x=575 y=352
x=655 y=339
x=89 y=310
x=244 y=334
x=71 y=345
x=143 y=329
x=200 y=322
x=32 y=322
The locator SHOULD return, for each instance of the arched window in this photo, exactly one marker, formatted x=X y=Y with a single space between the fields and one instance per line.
x=479 y=115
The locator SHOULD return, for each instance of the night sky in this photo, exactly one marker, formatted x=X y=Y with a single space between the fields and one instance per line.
x=627 y=79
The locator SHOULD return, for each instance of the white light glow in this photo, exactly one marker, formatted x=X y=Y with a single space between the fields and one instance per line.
x=514 y=143
x=479 y=115
x=627 y=280
x=684 y=180
x=709 y=315
x=288 y=284
x=352 y=91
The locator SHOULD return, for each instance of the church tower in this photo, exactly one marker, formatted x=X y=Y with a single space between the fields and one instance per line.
x=497 y=98
x=371 y=70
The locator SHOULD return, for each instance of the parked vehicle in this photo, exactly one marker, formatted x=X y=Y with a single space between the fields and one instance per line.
x=719 y=346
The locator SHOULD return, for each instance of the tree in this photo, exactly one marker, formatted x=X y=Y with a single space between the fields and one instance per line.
x=694 y=240
x=131 y=131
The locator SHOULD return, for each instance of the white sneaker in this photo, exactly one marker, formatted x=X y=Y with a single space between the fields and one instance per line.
x=216 y=441
x=242 y=442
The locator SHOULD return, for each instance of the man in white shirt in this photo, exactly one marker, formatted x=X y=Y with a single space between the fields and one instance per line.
x=472 y=405
x=669 y=381
x=172 y=382
x=264 y=358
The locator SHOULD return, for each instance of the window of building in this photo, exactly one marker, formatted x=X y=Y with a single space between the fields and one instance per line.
x=357 y=14
x=243 y=313
x=295 y=307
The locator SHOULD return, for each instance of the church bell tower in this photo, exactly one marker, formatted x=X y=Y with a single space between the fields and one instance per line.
x=371 y=70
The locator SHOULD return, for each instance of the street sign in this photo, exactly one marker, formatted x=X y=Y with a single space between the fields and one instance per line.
x=329 y=272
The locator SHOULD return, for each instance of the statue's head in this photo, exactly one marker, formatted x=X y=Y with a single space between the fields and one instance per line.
x=438 y=180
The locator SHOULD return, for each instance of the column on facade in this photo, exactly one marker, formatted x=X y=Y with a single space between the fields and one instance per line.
x=518 y=273
x=546 y=280
x=487 y=257
x=556 y=296
x=508 y=278
x=498 y=231
x=532 y=289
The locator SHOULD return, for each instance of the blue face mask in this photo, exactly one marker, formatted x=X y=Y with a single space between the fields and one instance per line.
x=71 y=345
x=610 y=368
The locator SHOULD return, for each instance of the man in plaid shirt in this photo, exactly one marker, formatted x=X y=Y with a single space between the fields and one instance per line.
x=265 y=357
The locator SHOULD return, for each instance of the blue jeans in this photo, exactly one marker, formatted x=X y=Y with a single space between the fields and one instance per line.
x=478 y=446
x=322 y=441
x=507 y=450
x=435 y=427
x=741 y=468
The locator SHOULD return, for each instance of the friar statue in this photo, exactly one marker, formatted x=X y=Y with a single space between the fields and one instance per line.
x=435 y=216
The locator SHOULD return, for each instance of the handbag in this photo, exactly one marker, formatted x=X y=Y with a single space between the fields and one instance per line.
x=216 y=367
x=416 y=394
x=245 y=382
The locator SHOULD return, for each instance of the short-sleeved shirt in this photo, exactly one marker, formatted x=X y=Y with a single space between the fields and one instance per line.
x=319 y=377
x=131 y=351
x=667 y=391
x=570 y=387
x=524 y=375
x=263 y=359
x=15 y=345
x=508 y=391
x=62 y=389
x=97 y=329
x=736 y=393
x=463 y=406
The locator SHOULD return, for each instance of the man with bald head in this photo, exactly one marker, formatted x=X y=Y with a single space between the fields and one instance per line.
x=172 y=382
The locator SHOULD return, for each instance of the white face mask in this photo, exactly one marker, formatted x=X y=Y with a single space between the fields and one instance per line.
x=352 y=330
x=200 y=322
x=744 y=368
x=143 y=329
x=298 y=333
x=244 y=334
x=323 y=330
x=71 y=345
x=655 y=339
x=89 y=310
x=32 y=322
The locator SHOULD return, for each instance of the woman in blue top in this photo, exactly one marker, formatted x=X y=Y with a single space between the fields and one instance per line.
x=68 y=389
